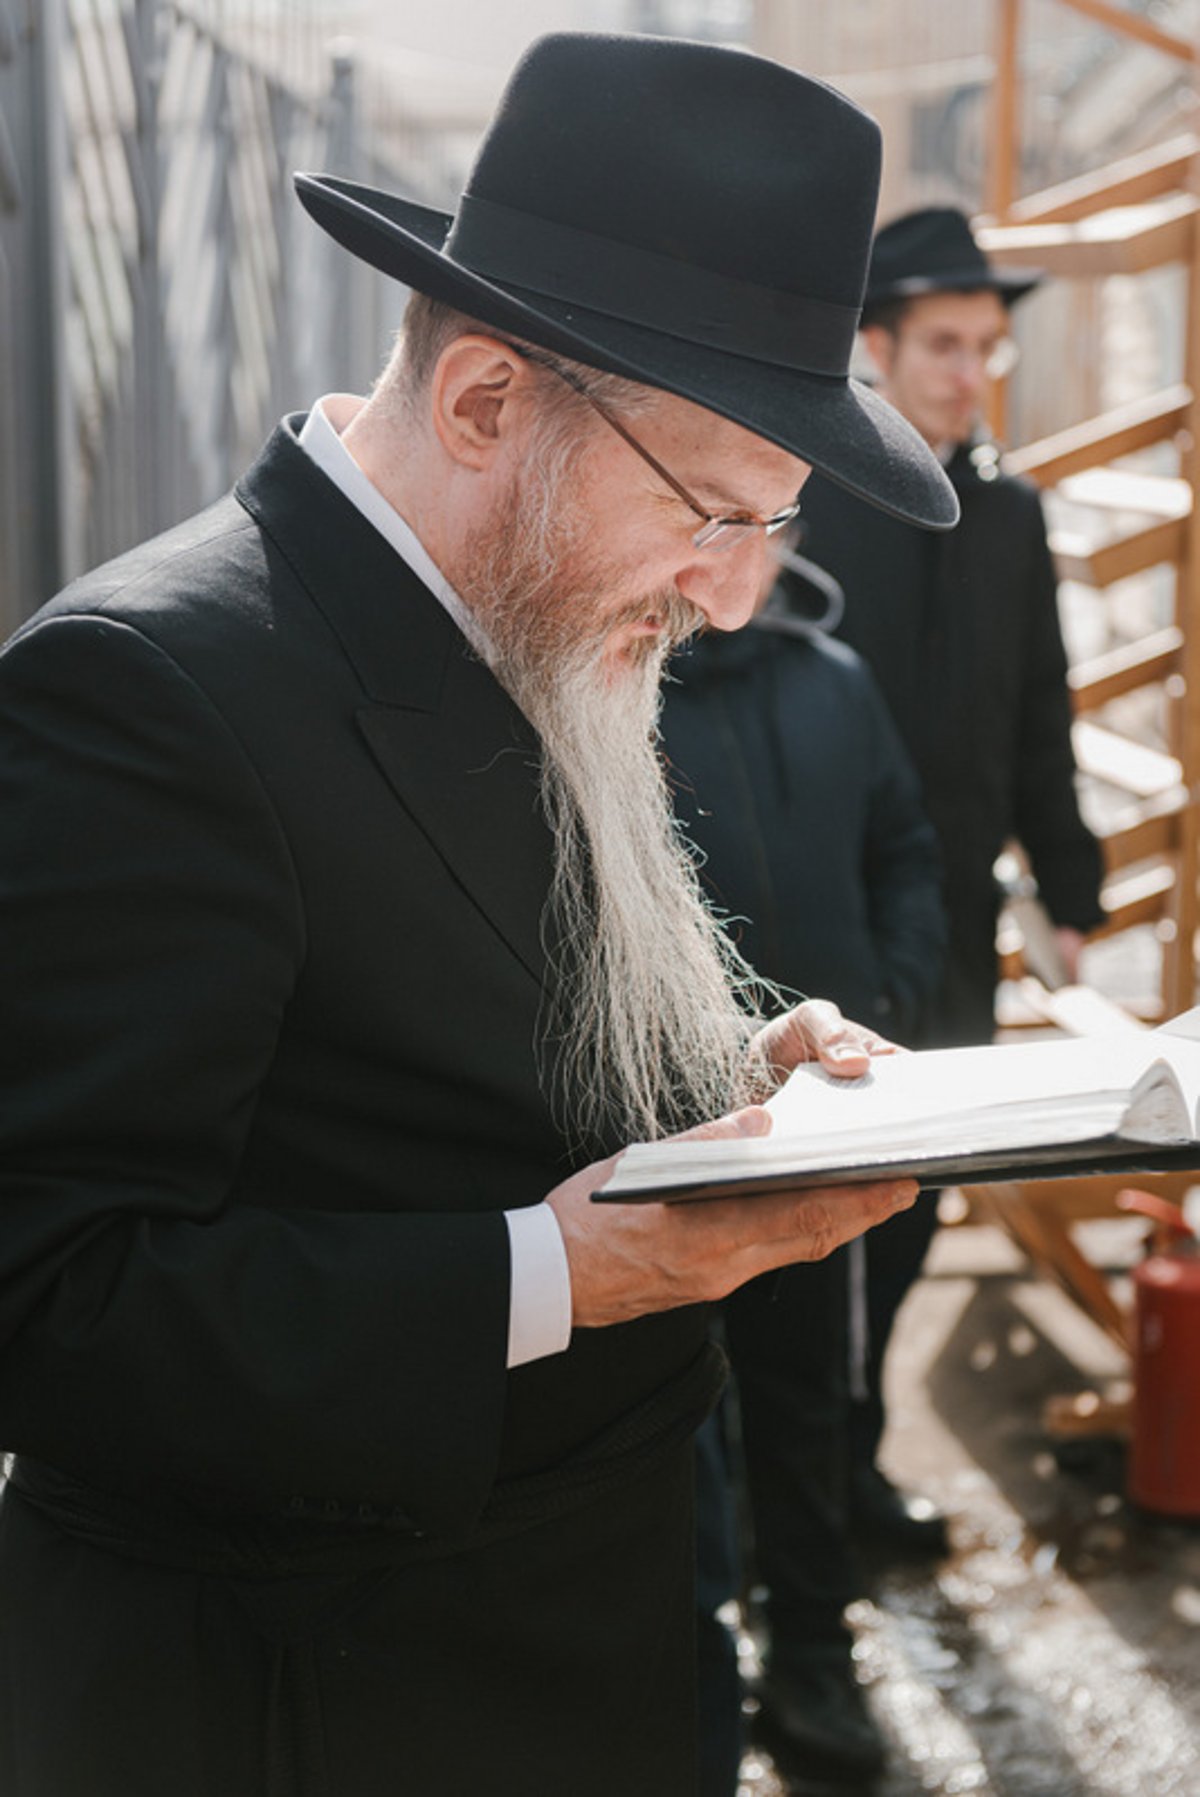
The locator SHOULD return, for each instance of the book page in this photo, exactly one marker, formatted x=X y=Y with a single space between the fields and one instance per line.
x=1179 y=1042
x=958 y=1085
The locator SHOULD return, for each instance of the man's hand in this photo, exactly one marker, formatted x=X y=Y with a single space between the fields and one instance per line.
x=627 y=1260
x=817 y=1031
x=1070 y=943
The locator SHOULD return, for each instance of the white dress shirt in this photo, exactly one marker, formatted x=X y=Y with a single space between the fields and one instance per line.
x=539 y=1312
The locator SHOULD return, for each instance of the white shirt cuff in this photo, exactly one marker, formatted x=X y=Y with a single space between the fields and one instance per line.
x=539 y=1311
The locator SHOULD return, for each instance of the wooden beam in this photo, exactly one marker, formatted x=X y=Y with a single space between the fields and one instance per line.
x=1137 y=26
x=1002 y=161
x=1150 y=837
x=1179 y=956
x=1046 y=1239
x=1154 y=829
x=1120 y=432
x=1100 y=565
x=1131 y=767
x=1134 y=899
x=1152 y=658
x=1085 y=1415
x=1002 y=169
x=1127 y=240
x=1121 y=490
x=1128 y=182
x=1077 y=1200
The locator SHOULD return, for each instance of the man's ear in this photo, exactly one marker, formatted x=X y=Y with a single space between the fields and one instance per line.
x=880 y=345
x=477 y=386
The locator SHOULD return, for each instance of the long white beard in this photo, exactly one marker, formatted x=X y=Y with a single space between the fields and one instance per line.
x=653 y=1008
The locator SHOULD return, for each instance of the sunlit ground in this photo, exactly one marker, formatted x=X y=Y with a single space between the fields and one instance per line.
x=1057 y=1653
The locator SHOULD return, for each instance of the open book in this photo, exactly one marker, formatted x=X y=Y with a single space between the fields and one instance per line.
x=1128 y=1101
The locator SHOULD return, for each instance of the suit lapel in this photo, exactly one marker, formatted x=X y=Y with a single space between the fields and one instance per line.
x=468 y=774
x=457 y=753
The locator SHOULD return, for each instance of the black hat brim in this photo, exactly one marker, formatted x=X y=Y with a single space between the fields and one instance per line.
x=1011 y=284
x=837 y=424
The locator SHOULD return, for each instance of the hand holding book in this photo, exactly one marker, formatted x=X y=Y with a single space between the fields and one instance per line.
x=1129 y=1101
x=632 y=1260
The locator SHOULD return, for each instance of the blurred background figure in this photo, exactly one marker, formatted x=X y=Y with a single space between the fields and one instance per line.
x=963 y=636
x=791 y=779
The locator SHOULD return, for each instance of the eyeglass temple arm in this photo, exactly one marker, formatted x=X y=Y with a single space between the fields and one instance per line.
x=615 y=424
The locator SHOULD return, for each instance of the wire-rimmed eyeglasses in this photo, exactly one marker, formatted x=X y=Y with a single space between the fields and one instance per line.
x=715 y=533
x=997 y=359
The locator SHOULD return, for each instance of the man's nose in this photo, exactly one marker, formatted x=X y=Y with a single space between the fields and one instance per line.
x=726 y=583
x=970 y=369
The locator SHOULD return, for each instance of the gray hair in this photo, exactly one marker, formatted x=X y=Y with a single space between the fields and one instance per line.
x=430 y=326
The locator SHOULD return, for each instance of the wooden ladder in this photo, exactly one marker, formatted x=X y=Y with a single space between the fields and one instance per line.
x=1137 y=214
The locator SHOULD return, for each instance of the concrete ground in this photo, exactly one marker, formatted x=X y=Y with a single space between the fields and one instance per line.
x=1057 y=1652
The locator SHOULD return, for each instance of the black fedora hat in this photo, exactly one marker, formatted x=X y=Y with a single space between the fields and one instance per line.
x=933 y=250
x=695 y=218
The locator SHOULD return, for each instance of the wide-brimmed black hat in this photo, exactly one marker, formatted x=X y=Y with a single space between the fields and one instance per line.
x=692 y=217
x=933 y=250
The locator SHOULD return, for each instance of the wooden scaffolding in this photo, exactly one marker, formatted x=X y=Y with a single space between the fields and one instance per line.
x=1136 y=215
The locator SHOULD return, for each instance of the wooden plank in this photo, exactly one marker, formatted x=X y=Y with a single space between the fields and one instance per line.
x=1120 y=432
x=1080 y=1415
x=1179 y=952
x=1156 y=830
x=1003 y=157
x=1045 y=1237
x=1122 y=490
x=1152 y=658
x=1101 y=564
x=1086 y=1200
x=1131 y=767
x=1137 y=26
x=1127 y=240
x=1002 y=160
x=1134 y=899
x=1130 y=181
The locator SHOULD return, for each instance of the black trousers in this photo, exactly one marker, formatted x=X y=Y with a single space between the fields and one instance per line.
x=718 y=1580
x=895 y=1255
x=559 y=1660
x=789 y=1344
x=787 y=1340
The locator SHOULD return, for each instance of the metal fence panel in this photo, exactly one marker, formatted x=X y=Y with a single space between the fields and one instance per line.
x=35 y=515
x=162 y=297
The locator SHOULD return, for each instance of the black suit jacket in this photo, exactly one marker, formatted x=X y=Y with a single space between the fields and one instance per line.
x=961 y=630
x=272 y=873
x=790 y=778
x=273 y=877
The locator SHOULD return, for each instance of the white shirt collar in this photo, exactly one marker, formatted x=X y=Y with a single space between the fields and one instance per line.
x=320 y=438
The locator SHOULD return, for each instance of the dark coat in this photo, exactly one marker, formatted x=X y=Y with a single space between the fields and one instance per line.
x=789 y=776
x=961 y=630
x=272 y=871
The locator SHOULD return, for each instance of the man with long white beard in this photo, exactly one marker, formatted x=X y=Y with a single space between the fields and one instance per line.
x=349 y=939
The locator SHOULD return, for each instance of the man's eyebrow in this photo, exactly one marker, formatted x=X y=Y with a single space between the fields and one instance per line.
x=712 y=492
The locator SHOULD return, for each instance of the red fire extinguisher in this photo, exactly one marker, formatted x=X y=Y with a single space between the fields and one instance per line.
x=1164 y=1462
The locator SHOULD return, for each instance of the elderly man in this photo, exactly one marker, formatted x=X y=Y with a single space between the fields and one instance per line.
x=348 y=937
